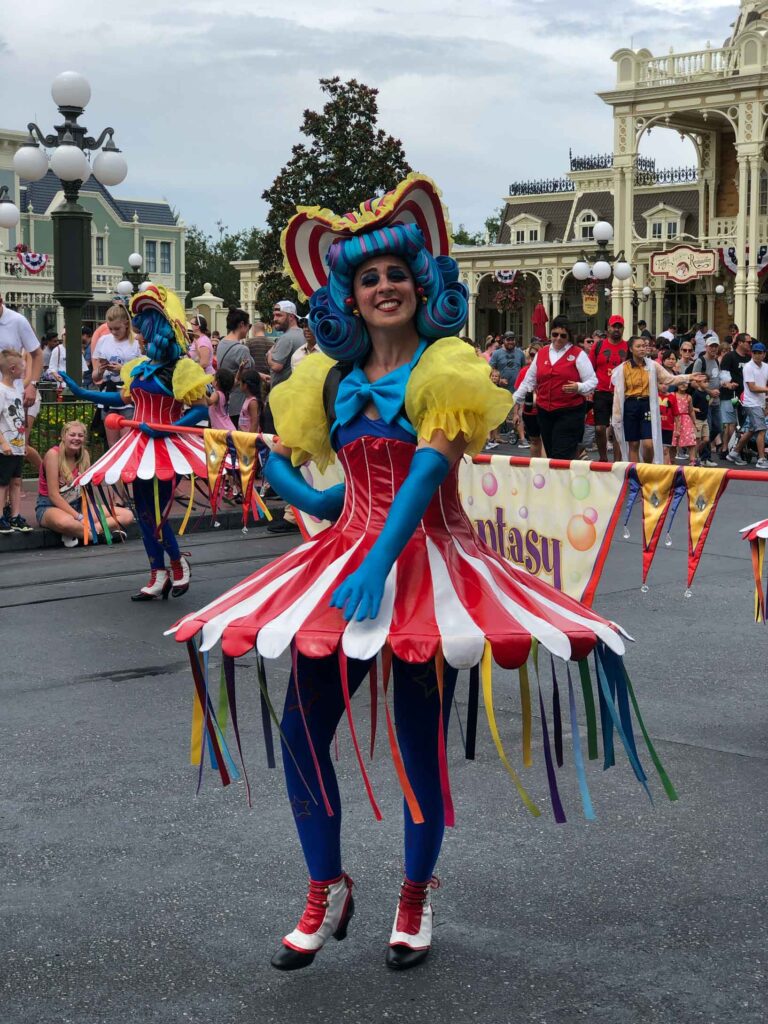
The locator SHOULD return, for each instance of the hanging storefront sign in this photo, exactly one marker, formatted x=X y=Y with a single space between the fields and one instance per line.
x=590 y=302
x=683 y=264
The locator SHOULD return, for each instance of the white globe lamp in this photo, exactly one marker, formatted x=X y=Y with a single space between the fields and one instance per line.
x=720 y=290
x=622 y=271
x=124 y=288
x=602 y=231
x=9 y=214
x=581 y=270
x=144 y=285
x=135 y=260
x=70 y=163
x=70 y=89
x=601 y=270
x=110 y=167
x=30 y=163
x=647 y=291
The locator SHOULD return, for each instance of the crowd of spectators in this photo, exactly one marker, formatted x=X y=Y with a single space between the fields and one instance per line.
x=716 y=416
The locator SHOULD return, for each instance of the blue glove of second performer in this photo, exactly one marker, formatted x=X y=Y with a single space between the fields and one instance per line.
x=109 y=399
x=291 y=485
x=362 y=591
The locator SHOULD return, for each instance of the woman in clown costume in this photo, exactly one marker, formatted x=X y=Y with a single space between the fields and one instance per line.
x=398 y=399
x=159 y=385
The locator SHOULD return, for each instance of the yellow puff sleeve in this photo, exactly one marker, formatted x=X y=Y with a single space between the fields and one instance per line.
x=450 y=389
x=125 y=374
x=189 y=381
x=299 y=414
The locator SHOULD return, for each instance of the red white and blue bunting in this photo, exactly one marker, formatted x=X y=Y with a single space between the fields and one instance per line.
x=505 y=276
x=33 y=262
x=731 y=261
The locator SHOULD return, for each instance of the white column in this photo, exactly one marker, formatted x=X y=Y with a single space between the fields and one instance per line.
x=471 y=325
x=658 y=312
x=740 y=286
x=752 y=317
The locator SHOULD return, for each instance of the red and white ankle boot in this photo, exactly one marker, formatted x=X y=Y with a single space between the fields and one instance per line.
x=329 y=909
x=411 y=936
x=159 y=586
x=181 y=574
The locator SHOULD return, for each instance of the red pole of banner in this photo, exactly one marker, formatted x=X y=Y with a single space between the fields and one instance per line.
x=116 y=422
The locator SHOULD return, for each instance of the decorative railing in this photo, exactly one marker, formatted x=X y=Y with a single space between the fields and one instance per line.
x=723 y=230
x=668 y=176
x=687 y=67
x=545 y=186
x=595 y=162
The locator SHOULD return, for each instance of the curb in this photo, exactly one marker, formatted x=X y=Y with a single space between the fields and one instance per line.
x=39 y=539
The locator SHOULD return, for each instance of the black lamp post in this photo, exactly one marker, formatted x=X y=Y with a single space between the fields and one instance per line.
x=602 y=269
x=72 y=283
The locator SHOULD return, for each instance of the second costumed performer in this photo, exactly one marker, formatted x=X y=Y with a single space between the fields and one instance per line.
x=398 y=400
x=160 y=385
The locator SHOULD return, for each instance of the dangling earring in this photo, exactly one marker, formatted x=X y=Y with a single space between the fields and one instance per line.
x=420 y=292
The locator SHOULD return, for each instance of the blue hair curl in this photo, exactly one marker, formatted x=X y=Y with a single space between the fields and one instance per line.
x=343 y=336
x=162 y=346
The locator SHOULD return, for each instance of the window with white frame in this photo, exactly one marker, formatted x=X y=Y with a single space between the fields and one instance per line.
x=586 y=225
x=150 y=256
x=673 y=229
x=520 y=237
x=764 y=193
x=657 y=229
x=533 y=235
x=165 y=257
x=99 y=251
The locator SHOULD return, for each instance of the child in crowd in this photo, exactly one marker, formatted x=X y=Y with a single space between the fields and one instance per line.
x=527 y=424
x=218 y=400
x=252 y=411
x=700 y=401
x=667 y=407
x=685 y=423
x=12 y=441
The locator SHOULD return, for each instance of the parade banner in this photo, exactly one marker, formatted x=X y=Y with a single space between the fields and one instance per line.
x=553 y=518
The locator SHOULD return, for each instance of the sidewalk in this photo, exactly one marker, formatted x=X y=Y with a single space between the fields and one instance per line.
x=229 y=517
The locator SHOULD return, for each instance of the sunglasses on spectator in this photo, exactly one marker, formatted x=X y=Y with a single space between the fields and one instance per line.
x=686 y=349
x=558 y=334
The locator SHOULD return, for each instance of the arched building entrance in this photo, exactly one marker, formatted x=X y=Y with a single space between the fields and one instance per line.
x=489 y=319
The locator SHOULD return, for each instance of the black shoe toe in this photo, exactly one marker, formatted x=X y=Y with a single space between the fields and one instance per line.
x=401 y=958
x=286 y=959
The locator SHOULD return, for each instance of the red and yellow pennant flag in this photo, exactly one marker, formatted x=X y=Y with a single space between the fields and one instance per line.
x=215 y=456
x=705 y=487
x=657 y=485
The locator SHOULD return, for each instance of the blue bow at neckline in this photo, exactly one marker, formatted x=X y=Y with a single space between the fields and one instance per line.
x=387 y=393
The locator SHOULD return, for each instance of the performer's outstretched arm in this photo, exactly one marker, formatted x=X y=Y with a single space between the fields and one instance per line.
x=363 y=590
x=109 y=399
x=291 y=485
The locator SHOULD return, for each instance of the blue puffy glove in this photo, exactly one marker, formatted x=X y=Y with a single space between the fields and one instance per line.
x=109 y=399
x=362 y=591
x=291 y=485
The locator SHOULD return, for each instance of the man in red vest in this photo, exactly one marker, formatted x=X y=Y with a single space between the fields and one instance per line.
x=605 y=355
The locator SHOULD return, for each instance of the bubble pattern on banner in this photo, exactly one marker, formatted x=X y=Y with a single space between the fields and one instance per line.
x=581 y=533
x=490 y=484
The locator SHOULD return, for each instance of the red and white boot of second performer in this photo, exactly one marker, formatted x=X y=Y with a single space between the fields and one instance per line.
x=181 y=574
x=159 y=586
x=329 y=909
x=411 y=936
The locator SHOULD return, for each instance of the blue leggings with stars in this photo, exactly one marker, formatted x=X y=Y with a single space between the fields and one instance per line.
x=417 y=713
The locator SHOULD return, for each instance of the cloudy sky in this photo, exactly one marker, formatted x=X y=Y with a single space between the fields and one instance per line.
x=207 y=96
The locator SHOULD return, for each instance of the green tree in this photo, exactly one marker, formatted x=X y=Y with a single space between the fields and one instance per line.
x=346 y=159
x=210 y=259
x=463 y=237
x=493 y=224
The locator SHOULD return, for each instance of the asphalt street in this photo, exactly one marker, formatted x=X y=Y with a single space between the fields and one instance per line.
x=126 y=899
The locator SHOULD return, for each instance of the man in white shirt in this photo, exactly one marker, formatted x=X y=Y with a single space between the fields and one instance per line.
x=755 y=375
x=705 y=336
x=16 y=334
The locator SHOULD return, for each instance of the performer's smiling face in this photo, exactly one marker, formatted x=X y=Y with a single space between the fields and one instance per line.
x=384 y=292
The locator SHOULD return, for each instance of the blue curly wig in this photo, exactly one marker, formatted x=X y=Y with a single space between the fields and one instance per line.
x=160 y=338
x=443 y=311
